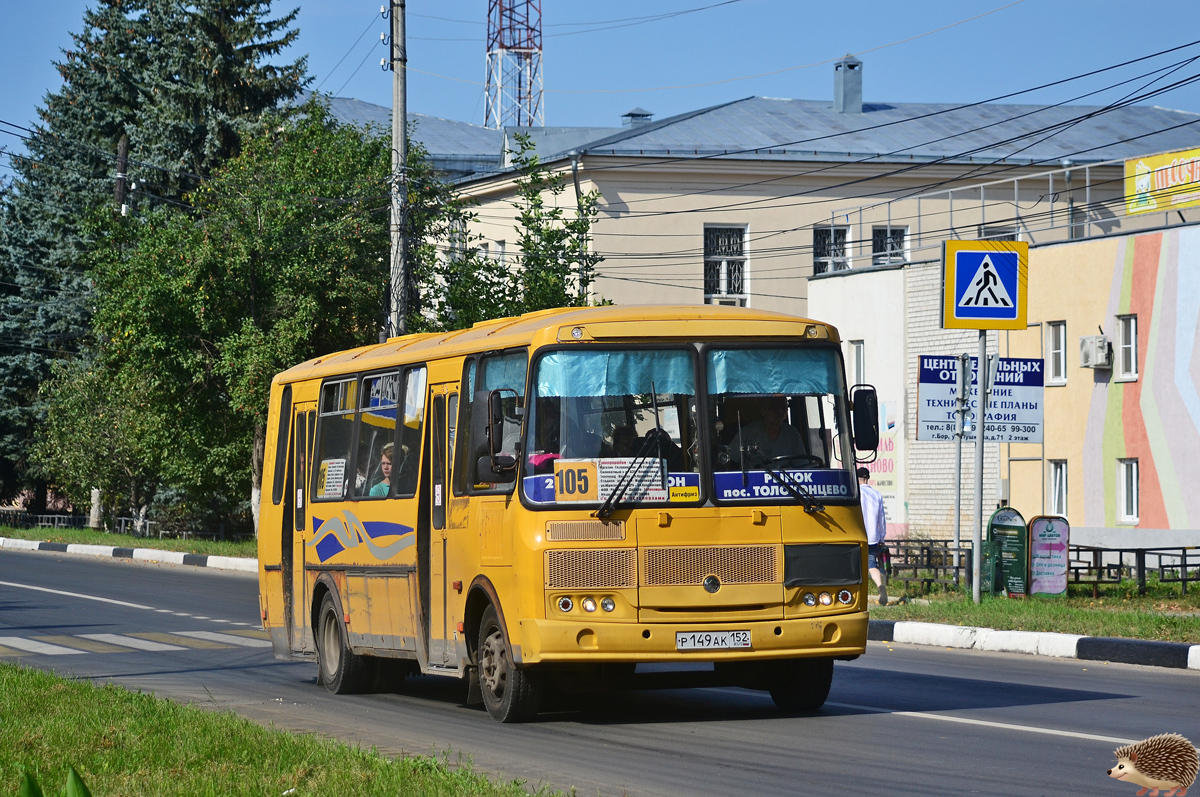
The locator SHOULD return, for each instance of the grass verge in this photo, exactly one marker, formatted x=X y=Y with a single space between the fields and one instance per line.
x=91 y=537
x=123 y=742
x=1163 y=614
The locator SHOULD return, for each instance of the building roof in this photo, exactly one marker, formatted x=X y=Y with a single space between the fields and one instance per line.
x=767 y=128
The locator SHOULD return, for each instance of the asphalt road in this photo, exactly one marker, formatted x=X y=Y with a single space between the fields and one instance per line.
x=900 y=720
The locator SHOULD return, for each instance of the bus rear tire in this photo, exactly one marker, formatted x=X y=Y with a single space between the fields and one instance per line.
x=509 y=694
x=342 y=671
x=801 y=684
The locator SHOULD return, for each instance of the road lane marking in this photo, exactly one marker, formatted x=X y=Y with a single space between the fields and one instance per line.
x=76 y=595
x=33 y=646
x=214 y=636
x=90 y=645
x=6 y=652
x=174 y=639
x=252 y=633
x=986 y=723
x=131 y=642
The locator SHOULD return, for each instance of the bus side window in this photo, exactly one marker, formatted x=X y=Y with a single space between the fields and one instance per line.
x=461 y=456
x=504 y=372
x=379 y=399
x=335 y=440
x=281 y=444
x=406 y=466
x=301 y=459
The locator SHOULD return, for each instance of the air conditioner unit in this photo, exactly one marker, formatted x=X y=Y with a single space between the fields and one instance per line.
x=1095 y=352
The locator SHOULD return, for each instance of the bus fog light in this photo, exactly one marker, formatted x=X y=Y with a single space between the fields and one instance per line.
x=589 y=605
x=845 y=596
x=565 y=604
x=825 y=598
x=608 y=604
x=809 y=599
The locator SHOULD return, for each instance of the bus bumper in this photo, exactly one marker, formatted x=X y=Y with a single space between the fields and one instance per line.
x=550 y=641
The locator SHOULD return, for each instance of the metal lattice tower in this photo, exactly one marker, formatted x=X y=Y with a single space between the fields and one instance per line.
x=514 y=64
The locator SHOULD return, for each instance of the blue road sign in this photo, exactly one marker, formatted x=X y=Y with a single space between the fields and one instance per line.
x=985 y=285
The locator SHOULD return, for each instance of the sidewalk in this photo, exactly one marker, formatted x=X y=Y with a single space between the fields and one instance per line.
x=1066 y=646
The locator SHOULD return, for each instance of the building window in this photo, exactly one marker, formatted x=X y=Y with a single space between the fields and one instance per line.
x=501 y=254
x=858 y=364
x=997 y=233
x=1056 y=345
x=889 y=245
x=1058 y=487
x=1127 y=358
x=1127 y=490
x=829 y=248
x=725 y=266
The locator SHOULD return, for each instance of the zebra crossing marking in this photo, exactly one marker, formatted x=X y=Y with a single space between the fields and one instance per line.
x=90 y=645
x=33 y=646
x=175 y=639
x=214 y=636
x=131 y=642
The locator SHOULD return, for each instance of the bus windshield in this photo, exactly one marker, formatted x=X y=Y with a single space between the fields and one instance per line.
x=612 y=420
x=778 y=413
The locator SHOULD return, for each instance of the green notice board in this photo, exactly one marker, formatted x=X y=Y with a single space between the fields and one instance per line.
x=1008 y=530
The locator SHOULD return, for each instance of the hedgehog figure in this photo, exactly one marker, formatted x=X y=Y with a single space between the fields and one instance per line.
x=1167 y=761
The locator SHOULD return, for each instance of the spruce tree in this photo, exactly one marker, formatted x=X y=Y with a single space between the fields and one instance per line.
x=185 y=82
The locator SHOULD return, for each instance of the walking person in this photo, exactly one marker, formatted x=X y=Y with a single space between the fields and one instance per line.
x=876 y=525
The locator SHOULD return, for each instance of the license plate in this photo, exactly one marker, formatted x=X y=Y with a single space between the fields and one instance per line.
x=712 y=640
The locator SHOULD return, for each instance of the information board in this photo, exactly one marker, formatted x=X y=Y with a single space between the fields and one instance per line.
x=1007 y=528
x=1016 y=407
x=1048 y=541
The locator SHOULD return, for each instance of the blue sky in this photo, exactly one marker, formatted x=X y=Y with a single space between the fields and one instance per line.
x=593 y=76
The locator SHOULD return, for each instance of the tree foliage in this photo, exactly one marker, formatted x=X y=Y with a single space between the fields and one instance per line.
x=185 y=81
x=283 y=258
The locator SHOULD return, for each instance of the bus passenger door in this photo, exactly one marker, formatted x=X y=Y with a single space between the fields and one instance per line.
x=295 y=583
x=443 y=410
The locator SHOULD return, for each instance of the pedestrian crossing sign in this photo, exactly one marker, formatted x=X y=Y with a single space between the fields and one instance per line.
x=985 y=284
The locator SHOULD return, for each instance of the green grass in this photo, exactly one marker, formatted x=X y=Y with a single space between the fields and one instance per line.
x=125 y=743
x=91 y=537
x=1163 y=613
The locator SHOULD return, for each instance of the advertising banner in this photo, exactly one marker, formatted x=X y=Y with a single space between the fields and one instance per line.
x=1007 y=529
x=1049 y=538
x=1159 y=183
x=1016 y=407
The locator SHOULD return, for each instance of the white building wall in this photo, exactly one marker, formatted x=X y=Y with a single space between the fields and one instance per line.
x=868 y=305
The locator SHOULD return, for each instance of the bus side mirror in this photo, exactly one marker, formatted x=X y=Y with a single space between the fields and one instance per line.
x=492 y=464
x=865 y=410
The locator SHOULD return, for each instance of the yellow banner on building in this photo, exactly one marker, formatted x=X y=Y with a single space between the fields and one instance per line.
x=1169 y=181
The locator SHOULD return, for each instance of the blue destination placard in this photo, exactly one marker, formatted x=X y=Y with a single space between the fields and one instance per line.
x=758 y=484
x=682 y=487
x=1012 y=371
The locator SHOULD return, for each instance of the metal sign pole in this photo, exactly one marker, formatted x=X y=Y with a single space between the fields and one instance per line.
x=980 y=426
x=960 y=430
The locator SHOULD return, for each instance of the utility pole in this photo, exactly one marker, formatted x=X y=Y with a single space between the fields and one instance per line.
x=960 y=430
x=122 y=166
x=399 y=272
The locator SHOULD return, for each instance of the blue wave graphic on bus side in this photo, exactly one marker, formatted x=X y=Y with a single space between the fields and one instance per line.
x=345 y=531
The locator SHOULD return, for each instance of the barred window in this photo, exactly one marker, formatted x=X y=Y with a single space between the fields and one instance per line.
x=888 y=245
x=829 y=248
x=725 y=266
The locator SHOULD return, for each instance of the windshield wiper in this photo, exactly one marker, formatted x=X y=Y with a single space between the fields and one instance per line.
x=811 y=505
x=610 y=503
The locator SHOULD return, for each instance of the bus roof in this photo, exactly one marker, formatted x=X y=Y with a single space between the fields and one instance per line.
x=624 y=322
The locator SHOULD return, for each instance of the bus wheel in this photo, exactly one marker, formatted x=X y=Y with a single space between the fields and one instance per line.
x=341 y=671
x=509 y=694
x=800 y=684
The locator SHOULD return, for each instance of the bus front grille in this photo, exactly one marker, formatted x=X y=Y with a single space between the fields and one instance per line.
x=738 y=564
x=594 y=568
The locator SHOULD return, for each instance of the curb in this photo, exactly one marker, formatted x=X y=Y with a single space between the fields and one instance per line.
x=1038 y=643
x=142 y=554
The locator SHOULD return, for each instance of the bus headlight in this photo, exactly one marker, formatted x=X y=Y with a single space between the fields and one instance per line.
x=589 y=604
x=809 y=599
x=565 y=604
x=608 y=604
x=825 y=598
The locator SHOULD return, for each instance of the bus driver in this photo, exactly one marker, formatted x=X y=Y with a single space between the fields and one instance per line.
x=767 y=438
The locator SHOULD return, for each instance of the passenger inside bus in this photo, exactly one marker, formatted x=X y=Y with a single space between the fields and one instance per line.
x=381 y=487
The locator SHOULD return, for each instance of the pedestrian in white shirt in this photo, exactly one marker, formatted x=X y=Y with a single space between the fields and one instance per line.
x=876 y=526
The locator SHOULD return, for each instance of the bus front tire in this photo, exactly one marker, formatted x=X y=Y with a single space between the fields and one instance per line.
x=342 y=671
x=509 y=694
x=801 y=684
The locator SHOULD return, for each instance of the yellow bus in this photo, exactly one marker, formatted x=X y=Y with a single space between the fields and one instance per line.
x=554 y=499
